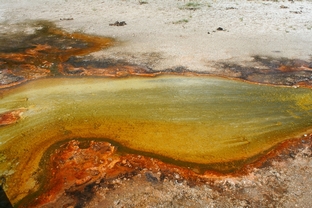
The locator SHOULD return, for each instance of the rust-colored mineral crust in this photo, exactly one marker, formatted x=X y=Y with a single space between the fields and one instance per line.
x=268 y=70
x=52 y=52
x=44 y=54
x=11 y=117
x=72 y=168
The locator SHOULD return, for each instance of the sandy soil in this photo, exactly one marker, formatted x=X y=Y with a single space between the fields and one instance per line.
x=167 y=33
x=164 y=34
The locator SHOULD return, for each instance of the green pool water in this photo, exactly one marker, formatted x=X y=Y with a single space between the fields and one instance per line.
x=201 y=120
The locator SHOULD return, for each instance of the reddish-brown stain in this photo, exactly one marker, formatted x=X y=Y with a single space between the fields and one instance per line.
x=73 y=168
x=11 y=117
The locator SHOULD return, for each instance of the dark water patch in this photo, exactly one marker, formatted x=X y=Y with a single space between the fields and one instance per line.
x=278 y=63
x=178 y=69
x=88 y=66
x=41 y=51
x=268 y=70
x=90 y=63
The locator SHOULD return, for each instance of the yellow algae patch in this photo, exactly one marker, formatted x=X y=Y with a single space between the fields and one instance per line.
x=200 y=120
x=305 y=102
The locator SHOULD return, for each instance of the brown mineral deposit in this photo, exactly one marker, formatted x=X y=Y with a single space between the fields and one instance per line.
x=11 y=117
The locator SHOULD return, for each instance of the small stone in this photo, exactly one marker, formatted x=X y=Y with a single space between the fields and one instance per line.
x=150 y=177
x=228 y=8
x=117 y=202
x=292 y=155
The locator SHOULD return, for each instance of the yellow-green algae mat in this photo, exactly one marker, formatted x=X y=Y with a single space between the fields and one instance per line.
x=196 y=120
